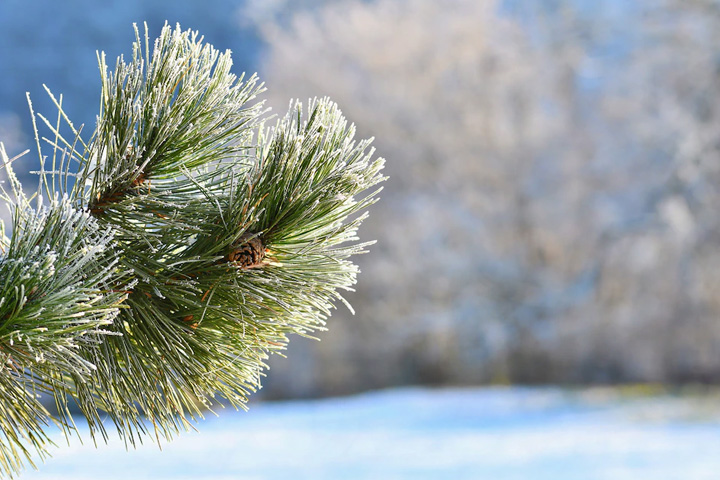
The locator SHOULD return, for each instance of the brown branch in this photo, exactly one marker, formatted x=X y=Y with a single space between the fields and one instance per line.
x=110 y=197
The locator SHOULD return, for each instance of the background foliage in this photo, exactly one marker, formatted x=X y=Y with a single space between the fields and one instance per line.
x=551 y=213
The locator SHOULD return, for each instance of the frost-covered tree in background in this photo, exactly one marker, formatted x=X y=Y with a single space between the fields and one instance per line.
x=462 y=98
x=555 y=165
x=164 y=256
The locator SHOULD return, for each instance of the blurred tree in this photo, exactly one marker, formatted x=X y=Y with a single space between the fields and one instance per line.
x=539 y=224
x=665 y=303
x=478 y=128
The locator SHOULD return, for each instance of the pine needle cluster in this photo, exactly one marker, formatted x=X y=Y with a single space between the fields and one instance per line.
x=164 y=258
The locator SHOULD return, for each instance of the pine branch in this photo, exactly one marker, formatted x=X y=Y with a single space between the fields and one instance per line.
x=57 y=275
x=191 y=243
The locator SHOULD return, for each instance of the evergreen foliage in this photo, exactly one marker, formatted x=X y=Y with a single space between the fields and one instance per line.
x=172 y=251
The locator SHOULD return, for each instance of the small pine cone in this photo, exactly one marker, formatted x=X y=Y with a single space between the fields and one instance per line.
x=249 y=251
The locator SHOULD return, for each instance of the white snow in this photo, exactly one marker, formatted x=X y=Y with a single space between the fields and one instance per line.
x=485 y=433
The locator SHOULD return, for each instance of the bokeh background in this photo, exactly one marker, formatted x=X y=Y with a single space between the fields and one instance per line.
x=551 y=218
x=551 y=215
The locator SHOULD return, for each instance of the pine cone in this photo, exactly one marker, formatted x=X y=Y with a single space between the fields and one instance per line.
x=249 y=251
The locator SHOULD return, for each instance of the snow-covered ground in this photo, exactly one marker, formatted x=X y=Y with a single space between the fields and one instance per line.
x=488 y=433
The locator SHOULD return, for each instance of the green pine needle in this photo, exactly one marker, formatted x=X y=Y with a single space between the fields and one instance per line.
x=174 y=250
